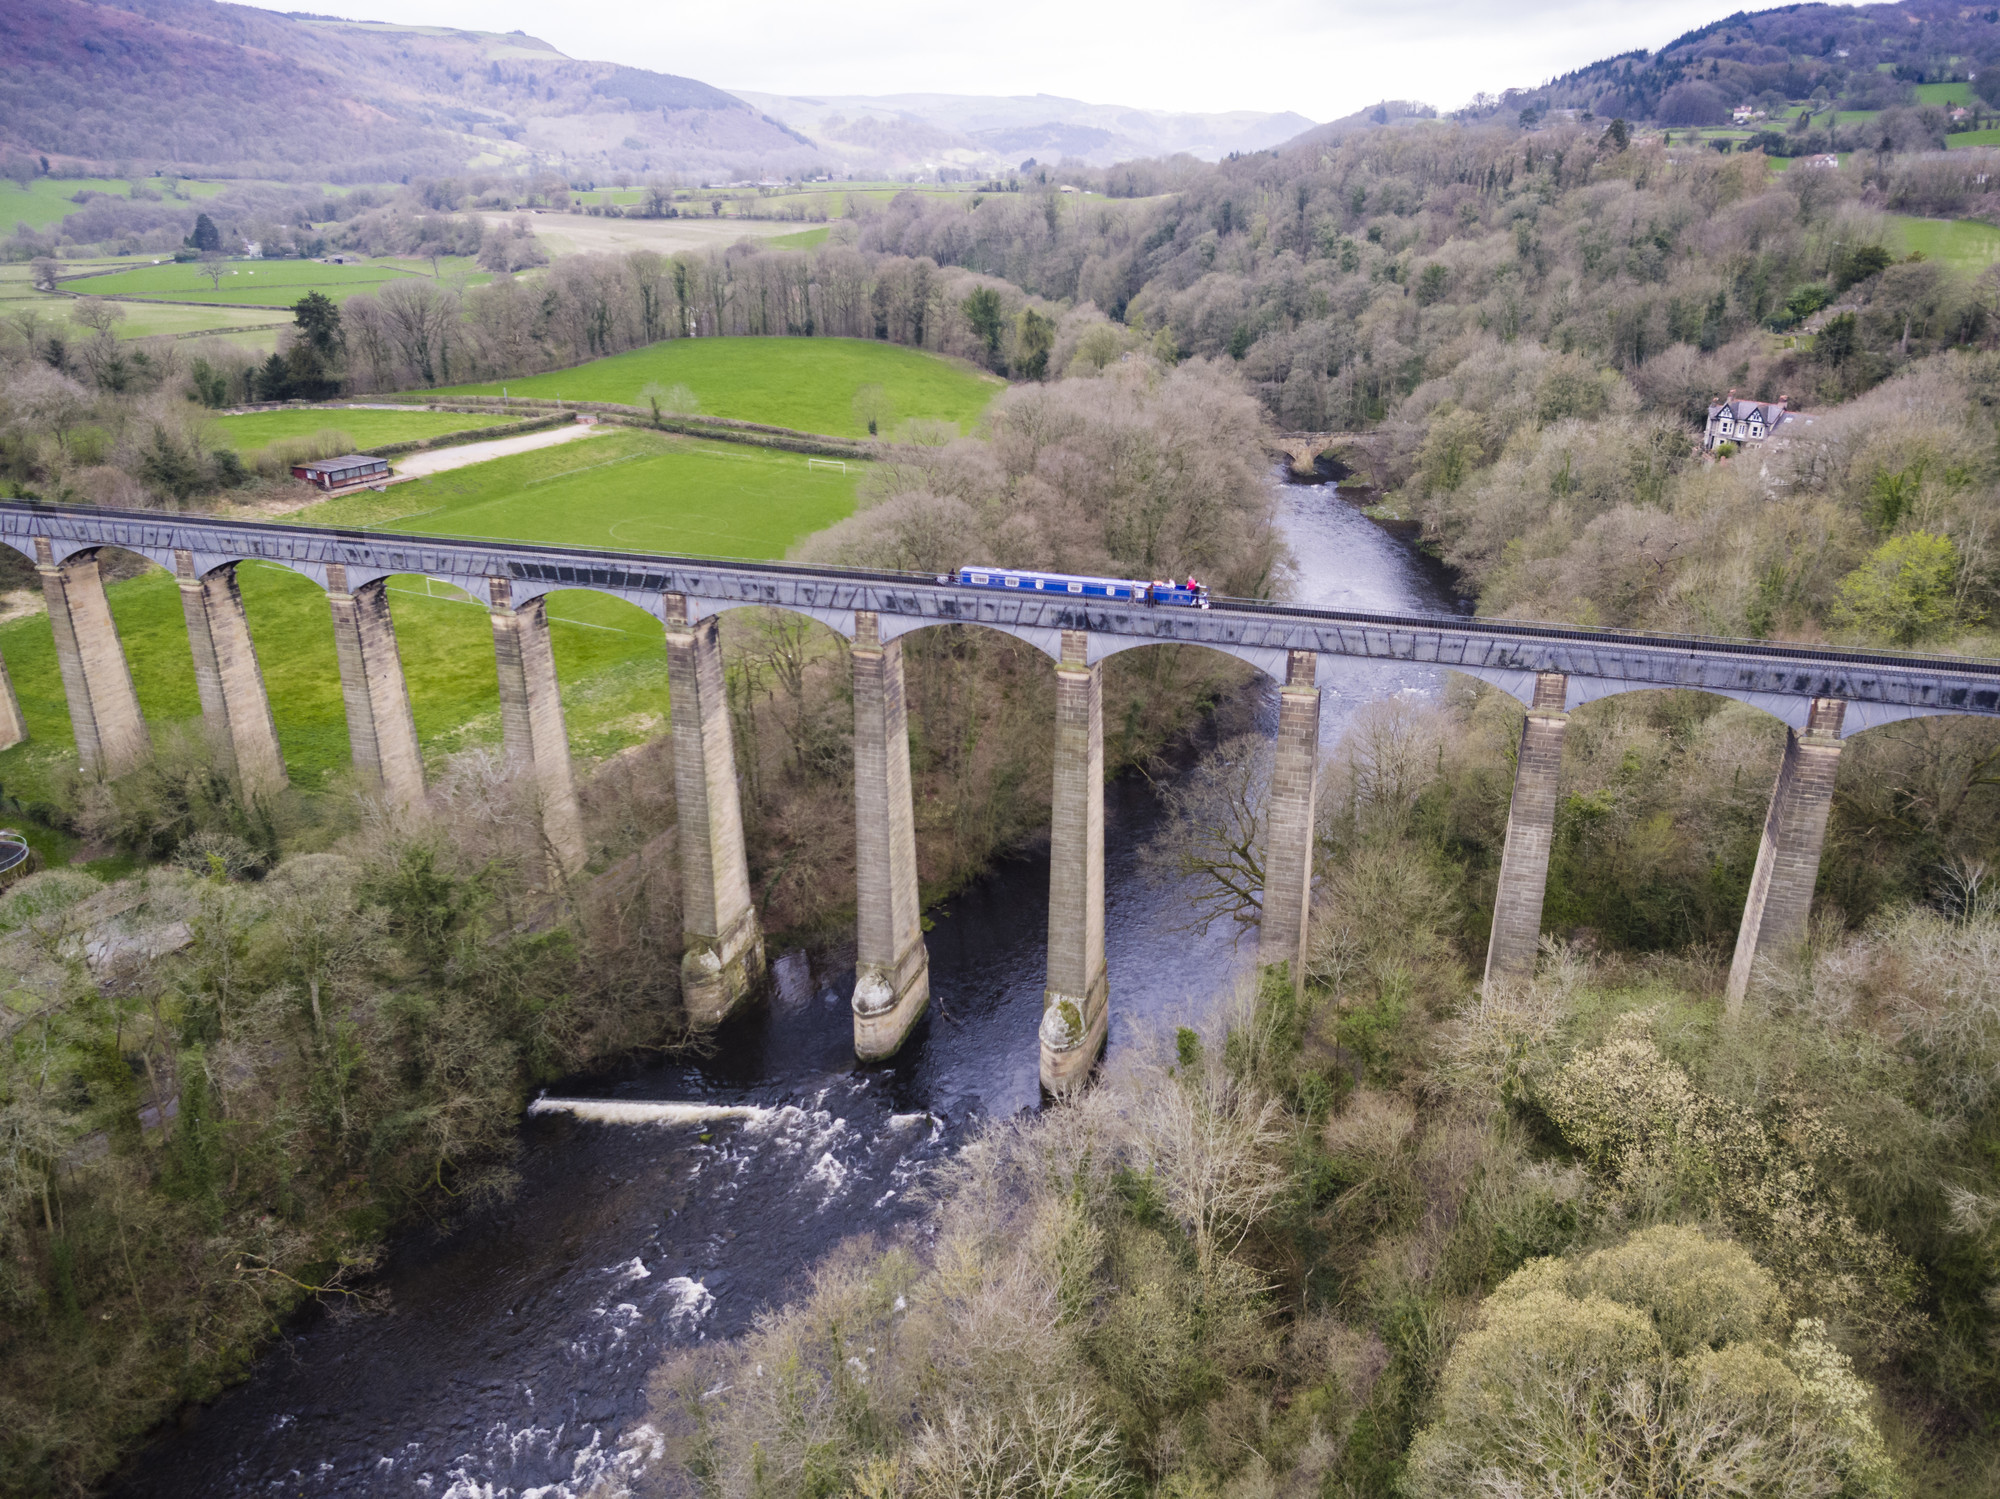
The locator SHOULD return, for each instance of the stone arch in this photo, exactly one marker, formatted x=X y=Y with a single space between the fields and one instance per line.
x=207 y=564
x=897 y=626
x=1271 y=661
x=839 y=622
x=1789 y=709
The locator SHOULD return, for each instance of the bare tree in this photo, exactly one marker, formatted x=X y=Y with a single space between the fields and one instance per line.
x=97 y=314
x=213 y=266
x=422 y=320
x=1213 y=834
x=1214 y=1144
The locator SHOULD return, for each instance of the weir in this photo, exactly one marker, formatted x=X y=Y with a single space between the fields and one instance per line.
x=1821 y=694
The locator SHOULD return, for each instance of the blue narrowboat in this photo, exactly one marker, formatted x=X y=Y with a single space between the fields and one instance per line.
x=1189 y=595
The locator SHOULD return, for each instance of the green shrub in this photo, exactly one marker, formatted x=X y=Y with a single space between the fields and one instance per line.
x=1648 y=1368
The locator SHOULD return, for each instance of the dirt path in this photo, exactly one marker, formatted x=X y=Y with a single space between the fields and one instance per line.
x=422 y=465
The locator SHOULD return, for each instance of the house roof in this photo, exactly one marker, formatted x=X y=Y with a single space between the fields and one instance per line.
x=337 y=465
x=1768 y=412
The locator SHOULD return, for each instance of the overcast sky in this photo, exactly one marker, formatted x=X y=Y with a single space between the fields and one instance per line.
x=1323 y=59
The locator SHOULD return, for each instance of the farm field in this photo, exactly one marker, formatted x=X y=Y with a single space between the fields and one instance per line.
x=251 y=326
x=643 y=491
x=262 y=283
x=154 y=320
x=46 y=200
x=1965 y=138
x=1960 y=242
x=259 y=429
x=804 y=383
x=805 y=239
x=1944 y=94
x=578 y=234
x=632 y=489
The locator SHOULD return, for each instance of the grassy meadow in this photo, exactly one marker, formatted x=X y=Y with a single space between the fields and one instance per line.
x=263 y=283
x=804 y=383
x=47 y=200
x=259 y=429
x=1964 y=243
x=805 y=239
x=638 y=490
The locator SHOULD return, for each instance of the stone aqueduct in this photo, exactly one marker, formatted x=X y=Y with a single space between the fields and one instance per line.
x=1822 y=695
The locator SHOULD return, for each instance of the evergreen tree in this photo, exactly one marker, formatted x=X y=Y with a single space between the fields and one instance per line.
x=206 y=236
x=319 y=320
x=985 y=316
x=1034 y=339
x=274 y=380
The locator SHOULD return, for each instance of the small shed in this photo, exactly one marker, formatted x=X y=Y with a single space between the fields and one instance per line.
x=341 y=473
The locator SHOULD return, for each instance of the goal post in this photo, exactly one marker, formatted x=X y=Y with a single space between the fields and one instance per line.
x=813 y=463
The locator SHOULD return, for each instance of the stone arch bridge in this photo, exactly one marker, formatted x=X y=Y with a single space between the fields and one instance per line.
x=1823 y=695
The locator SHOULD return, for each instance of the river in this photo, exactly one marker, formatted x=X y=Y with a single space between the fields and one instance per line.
x=513 y=1361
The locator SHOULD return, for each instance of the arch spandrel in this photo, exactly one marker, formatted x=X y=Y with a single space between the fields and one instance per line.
x=1789 y=709
x=1786 y=709
x=1272 y=662
x=1861 y=716
x=840 y=621
x=1519 y=685
x=62 y=552
x=1048 y=642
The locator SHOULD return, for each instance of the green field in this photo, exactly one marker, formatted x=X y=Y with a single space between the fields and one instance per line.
x=642 y=491
x=1944 y=94
x=1966 y=138
x=804 y=383
x=262 y=283
x=1958 y=242
x=250 y=326
x=805 y=239
x=257 y=429
x=631 y=489
x=158 y=320
x=46 y=200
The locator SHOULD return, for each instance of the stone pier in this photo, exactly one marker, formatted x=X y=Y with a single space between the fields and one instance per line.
x=1781 y=887
x=533 y=734
x=381 y=729
x=234 y=706
x=891 y=964
x=1076 y=1005
x=1288 y=836
x=111 y=735
x=724 y=960
x=13 y=728
x=1531 y=826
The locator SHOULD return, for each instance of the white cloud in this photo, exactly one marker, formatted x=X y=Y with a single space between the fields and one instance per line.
x=1320 y=59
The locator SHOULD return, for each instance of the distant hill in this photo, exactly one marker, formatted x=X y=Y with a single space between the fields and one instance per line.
x=990 y=132
x=1387 y=112
x=228 y=90
x=1861 y=57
